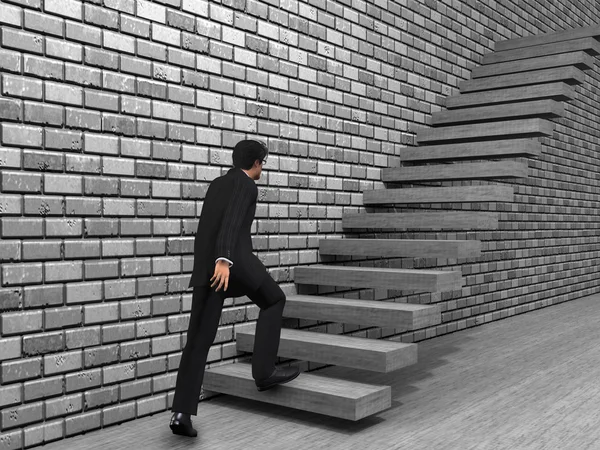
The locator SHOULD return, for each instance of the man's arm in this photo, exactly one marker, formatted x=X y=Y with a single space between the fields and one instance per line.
x=235 y=211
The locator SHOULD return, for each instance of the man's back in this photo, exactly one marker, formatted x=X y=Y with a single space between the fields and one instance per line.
x=224 y=229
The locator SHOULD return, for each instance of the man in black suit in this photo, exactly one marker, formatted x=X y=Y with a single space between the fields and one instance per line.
x=223 y=249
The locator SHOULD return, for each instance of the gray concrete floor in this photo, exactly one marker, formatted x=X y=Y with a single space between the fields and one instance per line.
x=527 y=382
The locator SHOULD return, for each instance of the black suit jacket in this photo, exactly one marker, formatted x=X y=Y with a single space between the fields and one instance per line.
x=224 y=231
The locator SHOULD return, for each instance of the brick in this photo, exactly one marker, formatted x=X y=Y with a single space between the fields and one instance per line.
x=40 y=296
x=117 y=166
x=59 y=93
x=118 y=124
x=71 y=227
x=118 y=372
x=76 y=206
x=101 y=355
x=101 y=313
x=46 y=387
x=63 y=184
x=197 y=7
x=11 y=395
x=152 y=51
x=82 y=337
x=43 y=205
x=136 y=66
x=101 y=227
x=64 y=50
x=118 y=42
x=152 y=129
x=44 y=23
x=83 y=75
x=11 y=15
x=83 y=422
x=101 y=17
x=64 y=405
x=21 y=415
x=83 y=33
x=23 y=369
x=97 y=143
x=135 y=106
x=134 y=26
x=166 y=73
x=65 y=8
x=118 y=82
x=24 y=87
x=44 y=114
x=22 y=40
x=41 y=250
x=81 y=249
x=167 y=35
x=118 y=414
x=62 y=362
x=135 y=389
x=10 y=348
x=63 y=140
x=43 y=343
x=63 y=271
x=10 y=61
x=151 y=11
x=127 y=6
x=82 y=119
x=100 y=100
x=20 y=274
x=182 y=21
x=101 y=58
x=62 y=317
x=101 y=397
x=84 y=292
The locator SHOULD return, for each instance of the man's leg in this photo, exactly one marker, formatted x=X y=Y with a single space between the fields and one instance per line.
x=268 y=328
x=204 y=321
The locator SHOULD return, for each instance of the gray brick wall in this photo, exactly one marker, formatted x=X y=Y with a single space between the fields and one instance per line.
x=116 y=114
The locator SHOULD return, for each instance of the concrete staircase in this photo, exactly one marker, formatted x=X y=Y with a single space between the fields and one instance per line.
x=499 y=114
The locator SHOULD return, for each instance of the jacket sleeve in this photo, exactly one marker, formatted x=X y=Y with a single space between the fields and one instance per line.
x=240 y=200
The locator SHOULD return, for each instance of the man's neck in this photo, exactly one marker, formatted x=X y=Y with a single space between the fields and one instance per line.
x=246 y=173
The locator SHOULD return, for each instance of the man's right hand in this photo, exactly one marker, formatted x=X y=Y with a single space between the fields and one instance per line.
x=221 y=275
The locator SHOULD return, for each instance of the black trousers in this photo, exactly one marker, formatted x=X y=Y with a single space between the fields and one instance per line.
x=204 y=321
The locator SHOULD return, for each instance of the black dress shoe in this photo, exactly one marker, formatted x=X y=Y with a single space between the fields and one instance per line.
x=280 y=376
x=181 y=423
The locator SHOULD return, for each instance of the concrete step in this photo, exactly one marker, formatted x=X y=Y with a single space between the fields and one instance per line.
x=581 y=60
x=556 y=91
x=309 y=392
x=401 y=248
x=437 y=220
x=509 y=148
x=587 y=44
x=454 y=194
x=548 y=38
x=522 y=110
x=568 y=74
x=466 y=171
x=377 y=277
x=374 y=313
x=482 y=131
x=347 y=351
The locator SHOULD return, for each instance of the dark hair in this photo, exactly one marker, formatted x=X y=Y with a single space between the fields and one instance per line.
x=247 y=151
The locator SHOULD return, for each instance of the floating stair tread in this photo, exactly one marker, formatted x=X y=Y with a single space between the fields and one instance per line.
x=492 y=130
x=581 y=60
x=452 y=220
x=396 y=248
x=472 y=150
x=466 y=171
x=586 y=44
x=356 y=276
x=544 y=108
x=406 y=316
x=451 y=194
x=564 y=35
x=309 y=392
x=567 y=74
x=558 y=91
x=348 y=351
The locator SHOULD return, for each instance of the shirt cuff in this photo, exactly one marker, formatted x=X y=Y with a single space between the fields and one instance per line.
x=225 y=259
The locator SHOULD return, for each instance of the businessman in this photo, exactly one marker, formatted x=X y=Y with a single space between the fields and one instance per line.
x=225 y=266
